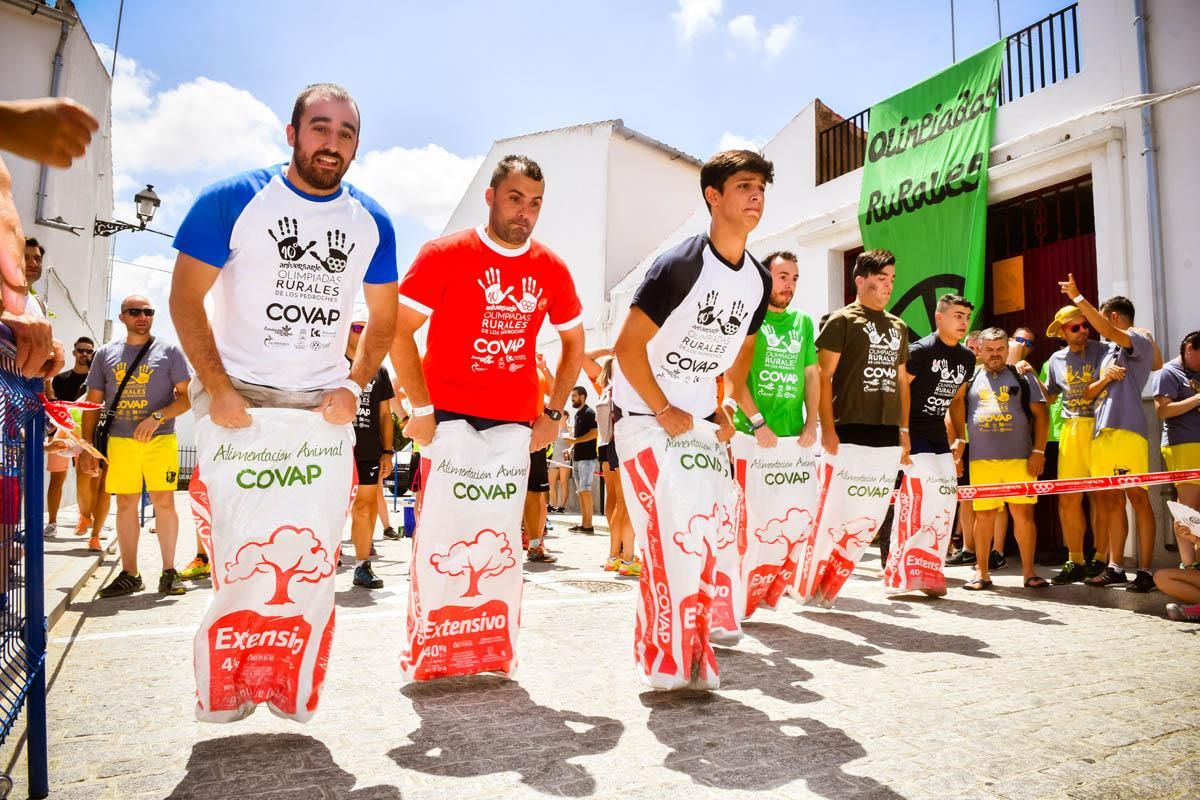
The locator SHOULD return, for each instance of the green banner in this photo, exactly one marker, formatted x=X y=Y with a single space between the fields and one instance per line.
x=924 y=192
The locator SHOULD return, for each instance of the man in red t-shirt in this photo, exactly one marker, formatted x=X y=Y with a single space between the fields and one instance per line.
x=486 y=292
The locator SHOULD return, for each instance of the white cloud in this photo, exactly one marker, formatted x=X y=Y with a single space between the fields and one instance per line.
x=175 y=200
x=425 y=183
x=733 y=141
x=744 y=30
x=780 y=37
x=695 y=17
x=131 y=87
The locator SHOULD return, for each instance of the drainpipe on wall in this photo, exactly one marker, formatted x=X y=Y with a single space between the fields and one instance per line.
x=1150 y=153
x=44 y=171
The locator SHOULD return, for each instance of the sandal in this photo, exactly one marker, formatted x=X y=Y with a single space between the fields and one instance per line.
x=977 y=585
x=1036 y=582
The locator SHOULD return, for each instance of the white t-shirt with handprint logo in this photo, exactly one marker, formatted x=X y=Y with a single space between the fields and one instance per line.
x=291 y=266
x=704 y=308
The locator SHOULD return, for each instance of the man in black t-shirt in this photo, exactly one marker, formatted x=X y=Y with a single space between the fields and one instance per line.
x=373 y=457
x=583 y=456
x=70 y=385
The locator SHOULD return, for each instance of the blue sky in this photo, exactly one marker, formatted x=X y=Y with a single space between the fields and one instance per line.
x=203 y=88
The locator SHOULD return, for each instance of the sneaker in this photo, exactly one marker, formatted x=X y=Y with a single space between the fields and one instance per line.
x=1071 y=573
x=963 y=558
x=50 y=530
x=374 y=552
x=123 y=584
x=1182 y=613
x=1142 y=583
x=83 y=526
x=612 y=564
x=630 y=568
x=94 y=545
x=580 y=529
x=197 y=568
x=1096 y=567
x=170 y=584
x=996 y=560
x=391 y=533
x=365 y=577
x=538 y=555
x=1109 y=577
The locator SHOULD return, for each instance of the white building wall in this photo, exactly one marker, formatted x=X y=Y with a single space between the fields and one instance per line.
x=73 y=282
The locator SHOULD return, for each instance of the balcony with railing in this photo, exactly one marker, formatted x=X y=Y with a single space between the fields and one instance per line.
x=1035 y=57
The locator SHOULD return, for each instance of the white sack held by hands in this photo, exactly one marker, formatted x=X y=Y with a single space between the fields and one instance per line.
x=921 y=532
x=779 y=486
x=680 y=499
x=856 y=488
x=270 y=502
x=464 y=596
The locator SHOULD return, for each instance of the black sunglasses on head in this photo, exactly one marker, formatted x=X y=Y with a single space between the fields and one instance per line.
x=137 y=312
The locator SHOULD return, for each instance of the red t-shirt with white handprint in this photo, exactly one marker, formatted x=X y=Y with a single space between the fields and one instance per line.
x=485 y=305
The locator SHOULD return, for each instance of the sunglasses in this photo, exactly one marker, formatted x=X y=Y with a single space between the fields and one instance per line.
x=357 y=327
x=1077 y=327
x=1023 y=340
x=137 y=312
x=84 y=351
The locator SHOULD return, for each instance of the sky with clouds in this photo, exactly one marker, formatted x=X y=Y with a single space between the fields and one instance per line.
x=204 y=90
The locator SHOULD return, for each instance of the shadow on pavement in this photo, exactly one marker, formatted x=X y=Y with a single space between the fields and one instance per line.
x=772 y=673
x=728 y=745
x=484 y=725
x=810 y=646
x=903 y=638
x=274 y=764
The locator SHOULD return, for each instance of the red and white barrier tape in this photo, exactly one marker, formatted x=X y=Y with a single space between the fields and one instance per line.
x=992 y=491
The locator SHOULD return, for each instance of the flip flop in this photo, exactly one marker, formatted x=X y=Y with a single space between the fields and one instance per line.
x=977 y=585
x=1036 y=582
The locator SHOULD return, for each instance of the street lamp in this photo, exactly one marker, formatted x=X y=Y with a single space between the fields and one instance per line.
x=147 y=203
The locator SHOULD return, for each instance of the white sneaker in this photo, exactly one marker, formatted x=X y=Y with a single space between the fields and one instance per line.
x=50 y=530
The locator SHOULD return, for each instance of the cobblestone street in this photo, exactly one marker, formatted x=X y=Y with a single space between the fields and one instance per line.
x=1009 y=694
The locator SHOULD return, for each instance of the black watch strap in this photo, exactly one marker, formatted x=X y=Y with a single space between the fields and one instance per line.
x=552 y=414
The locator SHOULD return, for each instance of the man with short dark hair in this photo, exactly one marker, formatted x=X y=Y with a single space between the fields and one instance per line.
x=780 y=393
x=70 y=385
x=583 y=456
x=1008 y=425
x=863 y=351
x=1120 y=446
x=373 y=454
x=34 y=255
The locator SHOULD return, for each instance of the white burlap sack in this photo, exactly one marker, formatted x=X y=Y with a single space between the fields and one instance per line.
x=1186 y=516
x=856 y=487
x=270 y=502
x=923 y=523
x=780 y=491
x=681 y=502
x=464 y=597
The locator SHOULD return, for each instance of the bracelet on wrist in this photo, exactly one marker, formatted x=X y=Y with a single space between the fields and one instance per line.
x=1039 y=452
x=351 y=386
x=422 y=411
x=389 y=452
x=663 y=410
x=1077 y=299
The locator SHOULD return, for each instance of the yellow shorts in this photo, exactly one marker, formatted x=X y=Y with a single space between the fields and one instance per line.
x=1075 y=447
x=1119 y=452
x=131 y=462
x=1182 y=456
x=1002 y=470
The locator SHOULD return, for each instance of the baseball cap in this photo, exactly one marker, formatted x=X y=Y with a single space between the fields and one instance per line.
x=1063 y=316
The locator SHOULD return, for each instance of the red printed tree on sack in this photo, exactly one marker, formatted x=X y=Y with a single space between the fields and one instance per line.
x=487 y=554
x=716 y=527
x=289 y=553
x=860 y=531
x=781 y=534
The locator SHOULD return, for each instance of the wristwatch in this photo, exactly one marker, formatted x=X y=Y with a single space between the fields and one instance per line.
x=157 y=415
x=552 y=414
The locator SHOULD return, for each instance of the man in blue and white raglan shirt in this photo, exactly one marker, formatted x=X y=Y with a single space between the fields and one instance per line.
x=283 y=253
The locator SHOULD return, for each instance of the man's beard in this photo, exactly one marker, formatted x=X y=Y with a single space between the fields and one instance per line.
x=781 y=300
x=510 y=232
x=318 y=177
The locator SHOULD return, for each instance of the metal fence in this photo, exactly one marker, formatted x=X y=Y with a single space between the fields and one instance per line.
x=22 y=605
x=1035 y=57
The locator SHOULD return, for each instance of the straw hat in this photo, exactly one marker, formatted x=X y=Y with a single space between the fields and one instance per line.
x=1064 y=315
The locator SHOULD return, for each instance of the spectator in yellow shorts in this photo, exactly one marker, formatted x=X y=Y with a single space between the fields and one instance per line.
x=141 y=446
x=1074 y=374
x=1120 y=446
x=1007 y=423
x=1177 y=401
